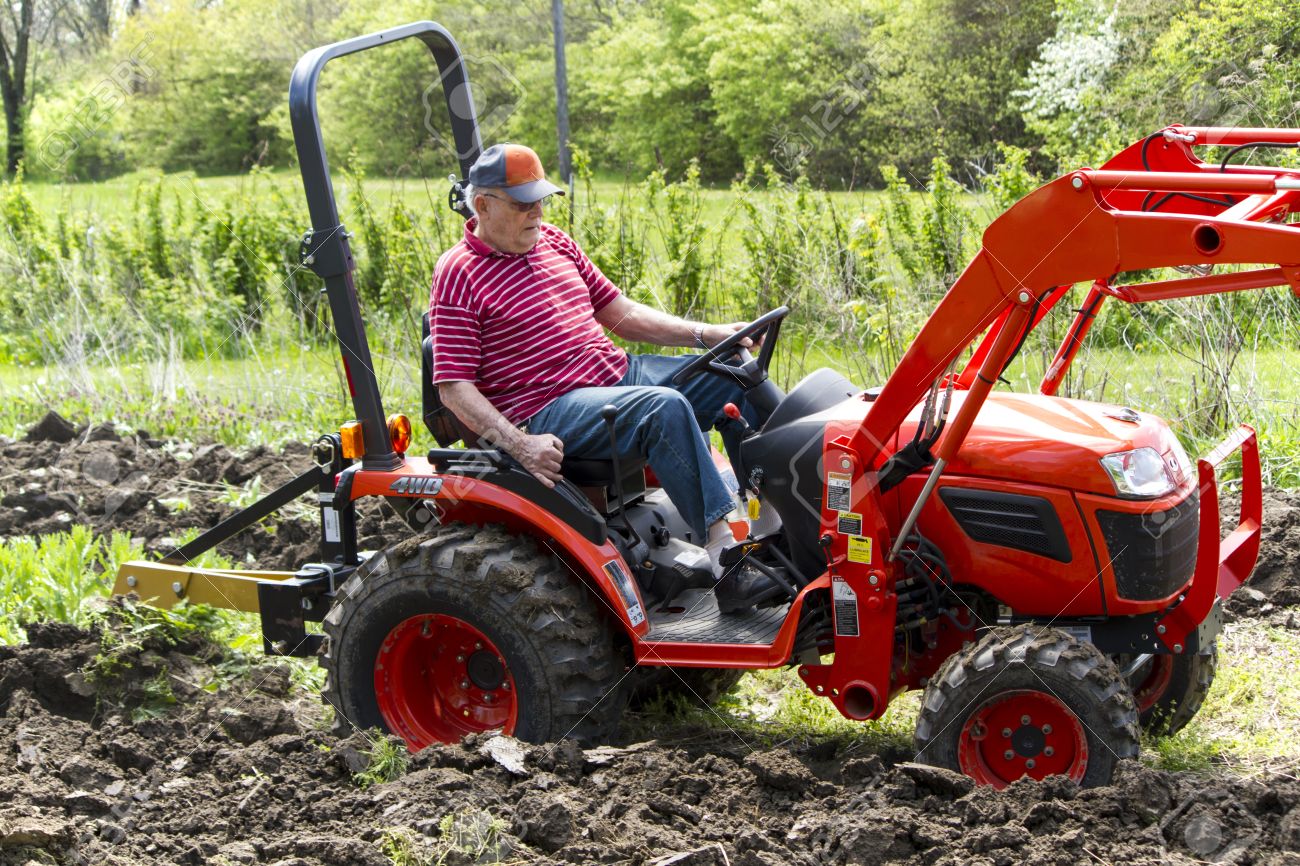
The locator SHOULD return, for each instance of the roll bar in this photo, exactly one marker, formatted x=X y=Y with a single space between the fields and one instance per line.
x=325 y=248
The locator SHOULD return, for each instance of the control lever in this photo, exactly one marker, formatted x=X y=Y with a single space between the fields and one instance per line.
x=609 y=413
x=732 y=411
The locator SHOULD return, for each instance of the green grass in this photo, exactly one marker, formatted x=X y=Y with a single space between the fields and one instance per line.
x=389 y=759
x=54 y=577
x=1248 y=723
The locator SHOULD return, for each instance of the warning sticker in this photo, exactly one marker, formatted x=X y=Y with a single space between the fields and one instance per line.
x=849 y=523
x=846 y=607
x=859 y=549
x=839 y=491
x=622 y=580
x=331 y=518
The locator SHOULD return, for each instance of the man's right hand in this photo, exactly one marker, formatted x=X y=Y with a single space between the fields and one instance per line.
x=541 y=455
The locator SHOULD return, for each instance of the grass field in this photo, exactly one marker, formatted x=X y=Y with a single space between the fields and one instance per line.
x=113 y=197
x=283 y=392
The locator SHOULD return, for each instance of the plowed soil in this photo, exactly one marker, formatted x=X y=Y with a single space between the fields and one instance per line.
x=241 y=768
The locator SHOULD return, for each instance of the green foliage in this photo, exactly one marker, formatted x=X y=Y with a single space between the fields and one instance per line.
x=54 y=576
x=613 y=236
x=1011 y=180
x=1113 y=73
x=677 y=211
x=389 y=759
x=129 y=628
x=932 y=243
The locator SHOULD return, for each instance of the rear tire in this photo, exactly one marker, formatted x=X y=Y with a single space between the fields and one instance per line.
x=693 y=685
x=1170 y=689
x=470 y=629
x=1051 y=703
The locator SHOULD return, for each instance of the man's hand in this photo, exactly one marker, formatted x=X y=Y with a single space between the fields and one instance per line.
x=541 y=455
x=712 y=335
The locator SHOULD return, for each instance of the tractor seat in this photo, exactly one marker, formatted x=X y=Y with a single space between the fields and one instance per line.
x=598 y=473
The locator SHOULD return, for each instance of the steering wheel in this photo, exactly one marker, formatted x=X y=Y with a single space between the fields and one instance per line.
x=750 y=372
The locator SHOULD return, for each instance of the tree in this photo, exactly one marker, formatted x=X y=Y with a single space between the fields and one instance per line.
x=17 y=27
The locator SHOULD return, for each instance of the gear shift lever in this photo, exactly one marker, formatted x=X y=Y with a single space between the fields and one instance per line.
x=609 y=413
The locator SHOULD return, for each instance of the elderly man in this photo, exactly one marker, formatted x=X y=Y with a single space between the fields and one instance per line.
x=519 y=316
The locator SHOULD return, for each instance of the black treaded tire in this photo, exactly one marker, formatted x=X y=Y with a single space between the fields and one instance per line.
x=560 y=652
x=693 y=685
x=1178 y=700
x=1024 y=666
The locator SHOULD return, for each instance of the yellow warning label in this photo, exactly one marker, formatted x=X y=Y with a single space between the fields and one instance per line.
x=859 y=549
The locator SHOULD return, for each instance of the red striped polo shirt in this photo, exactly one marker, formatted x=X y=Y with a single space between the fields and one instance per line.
x=522 y=328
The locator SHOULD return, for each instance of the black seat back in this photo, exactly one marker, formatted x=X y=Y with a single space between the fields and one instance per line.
x=446 y=428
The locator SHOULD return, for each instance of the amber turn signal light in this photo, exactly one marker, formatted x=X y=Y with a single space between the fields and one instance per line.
x=354 y=444
x=399 y=432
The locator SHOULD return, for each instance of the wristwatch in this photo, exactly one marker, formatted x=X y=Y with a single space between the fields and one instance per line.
x=697 y=334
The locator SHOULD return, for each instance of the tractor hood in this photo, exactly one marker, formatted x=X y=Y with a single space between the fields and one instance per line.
x=1055 y=441
x=1025 y=438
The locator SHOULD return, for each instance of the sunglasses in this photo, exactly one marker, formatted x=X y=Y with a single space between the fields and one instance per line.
x=521 y=207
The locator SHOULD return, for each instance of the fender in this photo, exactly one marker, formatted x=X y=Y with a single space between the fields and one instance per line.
x=480 y=500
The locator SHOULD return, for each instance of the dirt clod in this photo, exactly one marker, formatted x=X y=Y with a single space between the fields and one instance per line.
x=52 y=428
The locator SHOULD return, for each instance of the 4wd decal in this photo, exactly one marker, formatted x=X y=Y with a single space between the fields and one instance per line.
x=417 y=485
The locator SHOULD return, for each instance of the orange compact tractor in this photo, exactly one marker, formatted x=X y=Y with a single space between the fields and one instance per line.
x=1050 y=571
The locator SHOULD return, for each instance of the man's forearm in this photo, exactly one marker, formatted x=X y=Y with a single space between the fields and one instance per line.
x=473 y=409
x=646 y=325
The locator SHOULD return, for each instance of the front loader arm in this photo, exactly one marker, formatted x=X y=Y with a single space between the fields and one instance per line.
x=1072 y=230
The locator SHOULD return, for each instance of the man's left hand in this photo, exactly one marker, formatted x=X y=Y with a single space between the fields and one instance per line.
x=712 y=335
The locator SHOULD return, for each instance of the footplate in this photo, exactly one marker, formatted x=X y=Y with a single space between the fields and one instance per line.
x=698 y=620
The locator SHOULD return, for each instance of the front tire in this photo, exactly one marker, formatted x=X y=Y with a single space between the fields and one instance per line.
x=1169 y=689
x=1027 y=701
x=470 y=629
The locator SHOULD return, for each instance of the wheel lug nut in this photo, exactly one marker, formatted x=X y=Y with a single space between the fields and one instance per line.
x=464 y=684
x=1029 y=765
x=465 y=713
x=1024 y=720
x=1008 y=754
x=1049 y=751
x=488 y=697
x=460 y=658
x=478 y=646
x=1006 y=732
x=1047 y=729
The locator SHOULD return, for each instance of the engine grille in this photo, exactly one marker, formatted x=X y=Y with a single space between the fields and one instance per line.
x=1027 y=523
x=1153 y=553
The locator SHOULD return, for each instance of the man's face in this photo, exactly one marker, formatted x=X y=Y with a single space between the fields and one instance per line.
x=506 y=224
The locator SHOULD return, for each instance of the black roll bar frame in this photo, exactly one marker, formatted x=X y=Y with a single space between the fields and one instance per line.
x=325 y=248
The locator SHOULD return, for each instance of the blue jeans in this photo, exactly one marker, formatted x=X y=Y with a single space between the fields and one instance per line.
x=661 y=422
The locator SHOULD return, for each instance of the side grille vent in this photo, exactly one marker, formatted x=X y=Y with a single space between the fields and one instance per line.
x=1027 y=523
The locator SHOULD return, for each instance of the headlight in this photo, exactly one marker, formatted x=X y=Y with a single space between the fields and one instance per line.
x=1138 y=474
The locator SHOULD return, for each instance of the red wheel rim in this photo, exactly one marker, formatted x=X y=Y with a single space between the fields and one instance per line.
x=1153 y=685
x=438 y=678
x=1022 y=733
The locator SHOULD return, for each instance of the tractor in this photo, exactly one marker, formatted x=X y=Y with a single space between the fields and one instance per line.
x=1050 y=571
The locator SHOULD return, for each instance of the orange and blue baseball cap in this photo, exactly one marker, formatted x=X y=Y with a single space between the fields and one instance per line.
x=514 y=168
